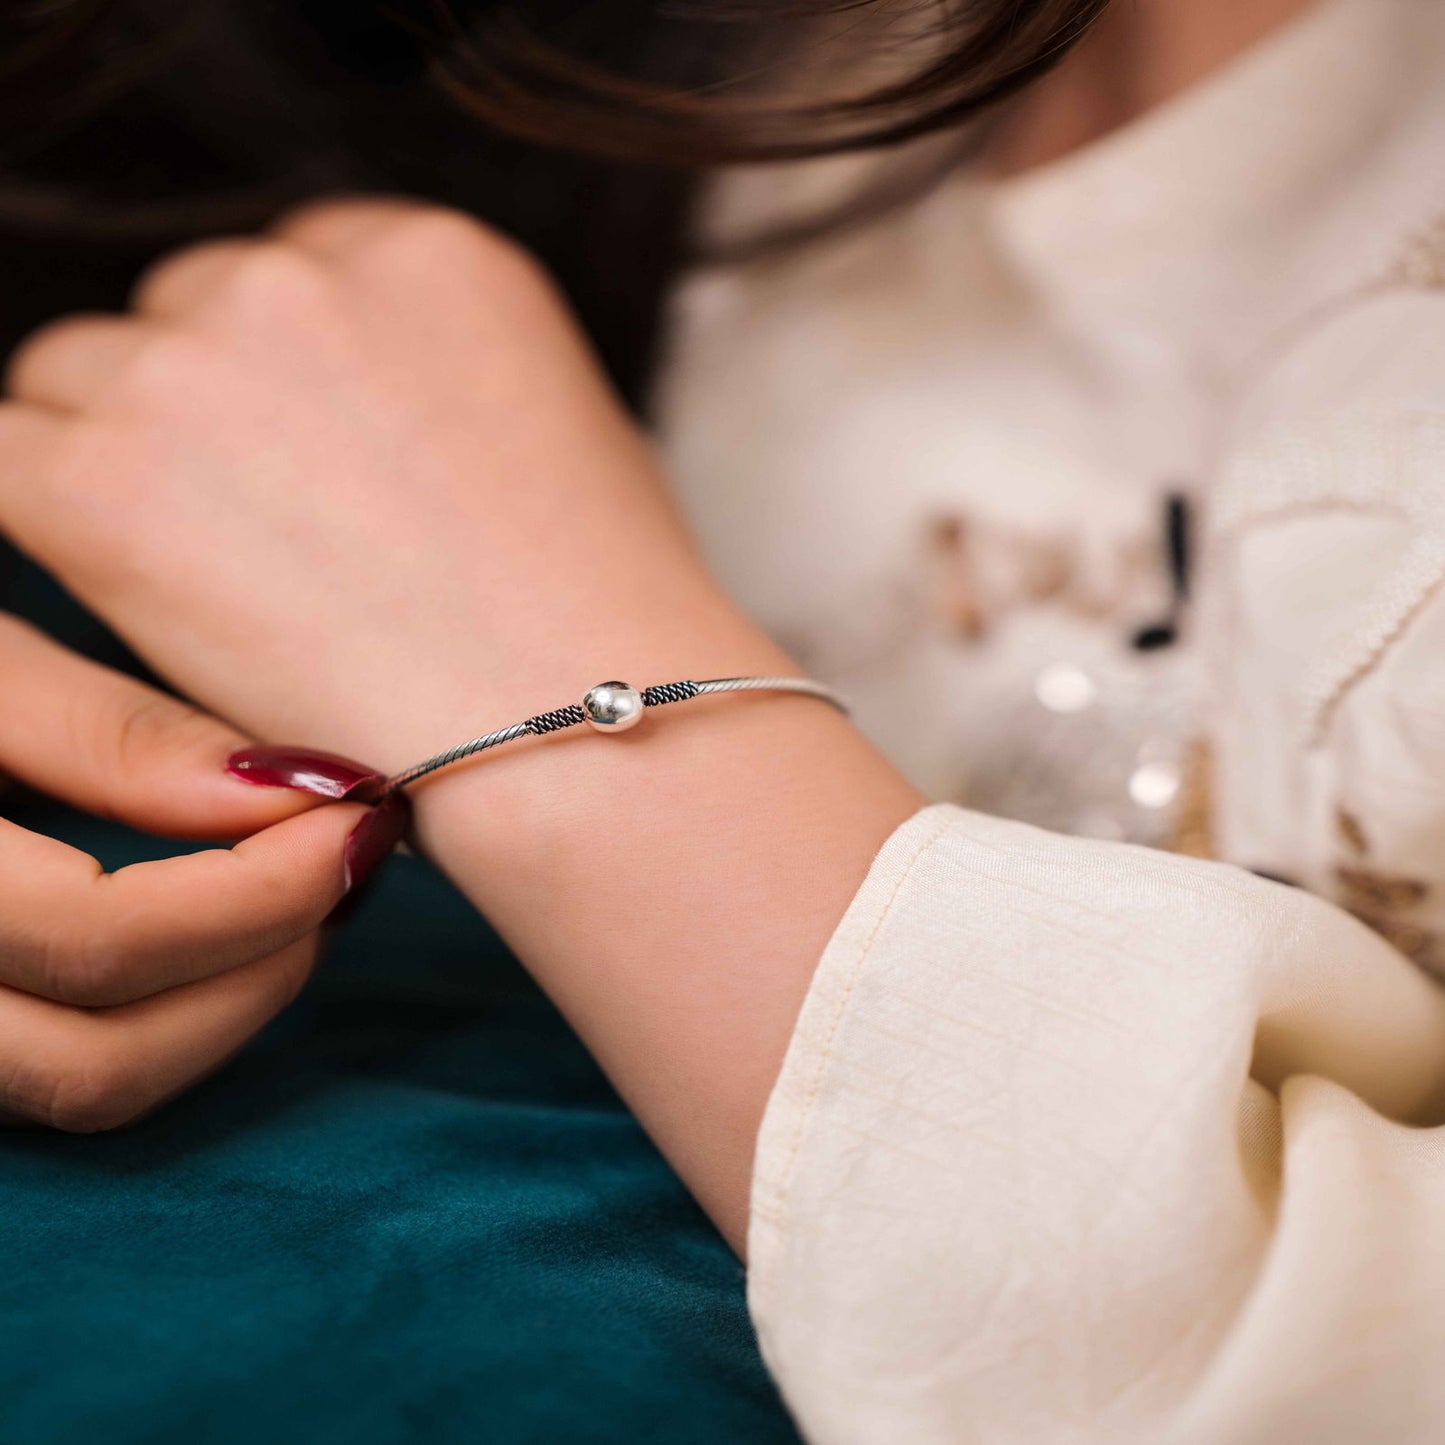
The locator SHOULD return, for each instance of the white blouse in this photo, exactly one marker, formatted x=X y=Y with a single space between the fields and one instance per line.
x=1076 y=1140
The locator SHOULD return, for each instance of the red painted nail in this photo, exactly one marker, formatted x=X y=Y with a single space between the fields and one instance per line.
x=325 y=774
x=373 y=838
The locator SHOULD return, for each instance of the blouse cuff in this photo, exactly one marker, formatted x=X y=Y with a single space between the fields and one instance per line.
x=803 y=1082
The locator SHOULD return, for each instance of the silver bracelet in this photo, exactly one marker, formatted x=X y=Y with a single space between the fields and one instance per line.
x=612 y=707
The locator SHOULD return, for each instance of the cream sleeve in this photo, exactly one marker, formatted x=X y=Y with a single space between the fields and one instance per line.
x=1082 y=1142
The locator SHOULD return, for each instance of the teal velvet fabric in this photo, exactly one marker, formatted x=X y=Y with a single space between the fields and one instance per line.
x=412 y=1210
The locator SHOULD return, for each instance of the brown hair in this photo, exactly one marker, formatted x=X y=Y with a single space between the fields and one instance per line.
x=873 y=74
x=131 y=126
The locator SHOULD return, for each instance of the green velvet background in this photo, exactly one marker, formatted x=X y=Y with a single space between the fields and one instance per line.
x=413 y=1210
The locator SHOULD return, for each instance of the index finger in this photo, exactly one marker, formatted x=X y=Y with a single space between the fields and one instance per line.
x=113 y=746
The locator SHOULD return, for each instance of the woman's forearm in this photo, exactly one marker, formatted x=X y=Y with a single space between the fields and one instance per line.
x=372 y=464
x=672 y=888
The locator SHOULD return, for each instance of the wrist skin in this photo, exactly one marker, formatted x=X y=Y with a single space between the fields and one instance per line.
x=672 y=887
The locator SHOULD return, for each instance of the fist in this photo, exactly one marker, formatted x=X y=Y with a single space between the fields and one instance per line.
x=357 y=483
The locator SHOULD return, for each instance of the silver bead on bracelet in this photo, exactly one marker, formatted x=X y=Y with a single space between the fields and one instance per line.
x=612 y=707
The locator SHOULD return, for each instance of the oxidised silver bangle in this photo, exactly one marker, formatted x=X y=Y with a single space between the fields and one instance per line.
x=612 y=707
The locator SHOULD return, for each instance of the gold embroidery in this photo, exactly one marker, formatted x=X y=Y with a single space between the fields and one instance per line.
x=1378 y=900
x=1413 y=941
x=981 y=572
x=1365 y=890
x=1194 y=816
x=1351 y=831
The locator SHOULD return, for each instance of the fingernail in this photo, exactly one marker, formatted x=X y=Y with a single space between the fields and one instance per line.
x=325 y=774
x=373 y=838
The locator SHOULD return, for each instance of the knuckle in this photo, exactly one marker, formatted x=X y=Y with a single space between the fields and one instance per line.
x=175 y=268
x=123 y=741
x=142 y=727
x=23 y=358
x=165 y=366
x=148 y=726
x=35 y=351
x=93 y=1092
x=433 y=237
x=276 y=281
x=86 y=967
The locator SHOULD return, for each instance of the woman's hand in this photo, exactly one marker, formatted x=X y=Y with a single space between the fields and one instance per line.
x=371 y=464
x=360 y=485
x=117 y=990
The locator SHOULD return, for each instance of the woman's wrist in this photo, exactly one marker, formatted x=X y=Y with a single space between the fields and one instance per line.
x=486 y=659
x=673 y=887
x=538 y=784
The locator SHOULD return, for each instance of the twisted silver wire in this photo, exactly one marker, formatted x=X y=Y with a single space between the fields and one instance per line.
x=572 y=715
x=456 y=754
x=805 y=686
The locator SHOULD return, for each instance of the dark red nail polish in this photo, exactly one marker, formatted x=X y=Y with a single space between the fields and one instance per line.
x=325 y=774
x=373 y=838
